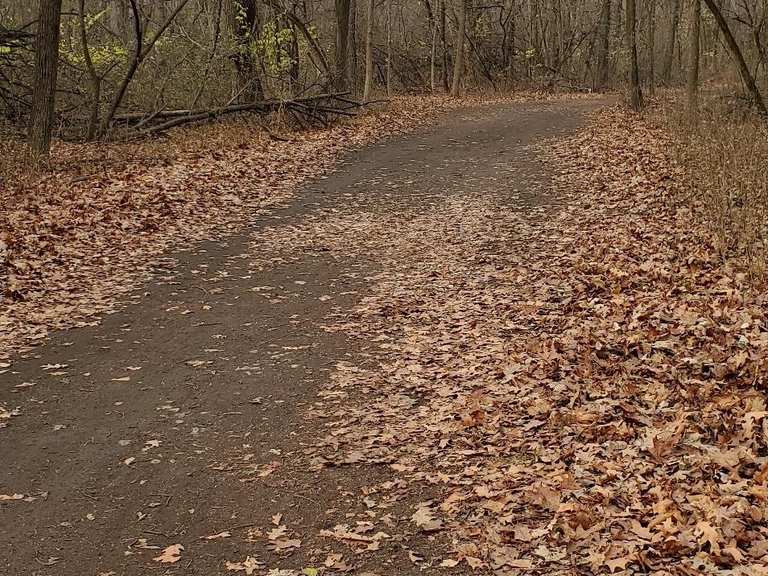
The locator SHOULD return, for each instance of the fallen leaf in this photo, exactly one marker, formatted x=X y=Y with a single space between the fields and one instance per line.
x=170 y=555
x=218 y=536
x=249 y=565
x=424 y=518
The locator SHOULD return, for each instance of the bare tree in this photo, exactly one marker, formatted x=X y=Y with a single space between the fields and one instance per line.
x=141 y=51
x=433 y=51
x=46 y=71
x=458 y=60
x=635 y=92
x=369 y=51
x=444 y=45
x=389 y=47
x=603 y=46
x=651 y=79
x=317 y=55
x=114 y=76
x=694 y=50
x=94 y=80
x=738 y=56
x=669 y=53
x=245 y=25
x=342 y=44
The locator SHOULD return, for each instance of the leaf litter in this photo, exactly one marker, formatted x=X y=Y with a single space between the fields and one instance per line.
x=580 y=389
x=6 y=414
x=170 y=555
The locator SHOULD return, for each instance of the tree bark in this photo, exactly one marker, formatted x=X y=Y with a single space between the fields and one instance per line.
x=635 y=92
x=507 y=21
x=315 y=50
x=94 y=80
x=733 y=46
x=352 y=66
x=604 y=45
x=119 y=16
x=458 y=60
x=669 y=55
x=369 y=51
x=433 y=55
x=294 y=52
x=45 y=74
x=444 y=45
x=694 y=51
x=246 y=29
x=652 y=47
x=389 y=48
x=342 y=44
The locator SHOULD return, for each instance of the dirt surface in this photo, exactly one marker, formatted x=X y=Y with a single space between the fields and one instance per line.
x=188 y=414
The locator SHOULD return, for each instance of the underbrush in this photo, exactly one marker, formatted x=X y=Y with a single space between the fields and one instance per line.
x=724 y=154
x=16 y=165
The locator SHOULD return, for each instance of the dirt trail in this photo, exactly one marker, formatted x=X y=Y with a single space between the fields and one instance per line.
x=189 y=414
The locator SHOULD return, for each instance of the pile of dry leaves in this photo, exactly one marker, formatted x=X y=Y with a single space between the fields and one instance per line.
x=577 y=392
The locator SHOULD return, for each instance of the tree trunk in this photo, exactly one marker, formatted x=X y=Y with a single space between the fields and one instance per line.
x=694 y=51
x=733 y=46
x=246 y=30
x=46 y=70
x=635 y=93
x=604 y=45
x=458 y=60
x=294 y=53
x=94 y=80
x=389 y=48
x=433 y=56
x=352 y=66
x=119 y=17
x=652 y=47
x=369 y=51
x=758 y=41
x=444 y=45
x=342 y=44
x=669 y=55
x=316 y=53
x=507 y=22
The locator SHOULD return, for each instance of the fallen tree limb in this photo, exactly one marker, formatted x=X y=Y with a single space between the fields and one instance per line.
x=207 y=115
x=317 y=108
x=143 y=116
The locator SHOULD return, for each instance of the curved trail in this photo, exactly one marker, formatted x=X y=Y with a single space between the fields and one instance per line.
x=189 y=418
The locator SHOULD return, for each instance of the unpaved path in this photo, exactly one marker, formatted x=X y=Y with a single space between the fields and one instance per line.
x=189 y=414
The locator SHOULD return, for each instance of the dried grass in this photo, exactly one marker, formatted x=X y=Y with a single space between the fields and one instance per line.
x=725 y=153
x=16 y=164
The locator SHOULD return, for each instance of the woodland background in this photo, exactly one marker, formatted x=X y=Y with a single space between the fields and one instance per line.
x=123 y=59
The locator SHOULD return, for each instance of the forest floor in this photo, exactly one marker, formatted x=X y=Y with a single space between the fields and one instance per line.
x=488 y=346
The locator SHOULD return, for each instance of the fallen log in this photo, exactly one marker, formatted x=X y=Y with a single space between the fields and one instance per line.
x=317 y=108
